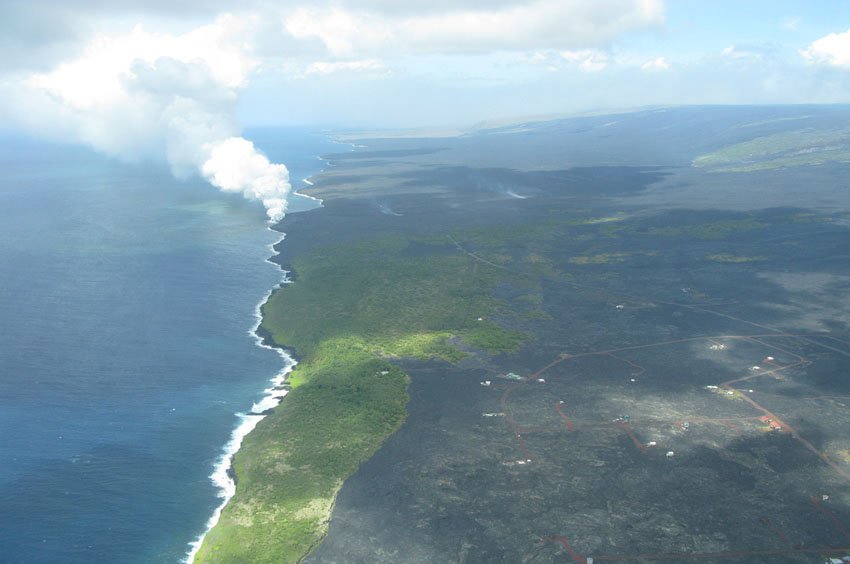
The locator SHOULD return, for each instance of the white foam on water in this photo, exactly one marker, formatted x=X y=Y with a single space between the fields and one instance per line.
x=272 y=396
x=221 y=477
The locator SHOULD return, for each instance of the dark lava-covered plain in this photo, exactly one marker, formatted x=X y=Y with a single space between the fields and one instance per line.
x=684 y=384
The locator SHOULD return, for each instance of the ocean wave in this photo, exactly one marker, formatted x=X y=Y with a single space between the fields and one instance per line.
x=222 y=477
x=308 y=196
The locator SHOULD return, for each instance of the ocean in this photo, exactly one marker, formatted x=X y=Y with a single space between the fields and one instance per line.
x=127 y=300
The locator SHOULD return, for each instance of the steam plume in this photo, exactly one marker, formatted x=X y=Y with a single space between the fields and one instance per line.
x=170 y=97
x=236 y=166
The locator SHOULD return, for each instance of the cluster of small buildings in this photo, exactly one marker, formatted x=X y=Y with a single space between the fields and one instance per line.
x=771 y=423
x=717 y=390
x=517 y=462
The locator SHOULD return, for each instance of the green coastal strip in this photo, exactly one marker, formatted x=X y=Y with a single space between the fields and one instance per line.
x=354 y=308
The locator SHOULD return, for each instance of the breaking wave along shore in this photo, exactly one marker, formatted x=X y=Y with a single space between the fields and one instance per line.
x=222 y=475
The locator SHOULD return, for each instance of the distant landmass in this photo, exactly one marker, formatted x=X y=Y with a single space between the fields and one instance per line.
x=621 y=337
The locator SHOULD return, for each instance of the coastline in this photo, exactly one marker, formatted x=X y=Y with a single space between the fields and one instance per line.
x=223 y=475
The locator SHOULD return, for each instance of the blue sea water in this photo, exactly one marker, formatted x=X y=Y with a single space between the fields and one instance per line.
x=126 y=302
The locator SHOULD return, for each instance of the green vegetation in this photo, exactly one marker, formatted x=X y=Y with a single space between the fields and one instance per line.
x=843 y=455
x=769 y=121
x=602 y=258
x=792 y=148
x=355 y=307
x=490 y=337
x=292 y=465
x=729 y=394
x=396 y=305
x=726 y=257
x=596 y=220
x=709 y=230
x=808 y=217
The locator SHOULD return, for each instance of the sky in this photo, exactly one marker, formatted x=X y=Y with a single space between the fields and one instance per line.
x=180 y=80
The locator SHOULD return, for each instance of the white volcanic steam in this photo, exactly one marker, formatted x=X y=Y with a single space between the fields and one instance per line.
x=236 y=166
x=145 y=95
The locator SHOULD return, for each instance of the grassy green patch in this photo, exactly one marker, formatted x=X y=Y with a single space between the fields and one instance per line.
x=599 y=231
x=535 y=300
x=792 y=148
x=398 y=305
x=492 y=338
x=709 y=230
x=843 y=455
x=292 y=465
x=596 y=220
x=602 y=258
x=536 y=315
x=355 y=307
x=726 y=257
x=808 y=217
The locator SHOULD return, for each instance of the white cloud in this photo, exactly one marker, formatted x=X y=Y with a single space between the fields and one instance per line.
x=592 y=60
x=752 y=54
x=38 y=33
x=342 y=32
x=588 y=60
x=657 y=64
x=832 y=50
x=363 y=65
x=563 y=24
x=535 y=58
x=100 y=76
x=791 y=23
x=738 y=53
